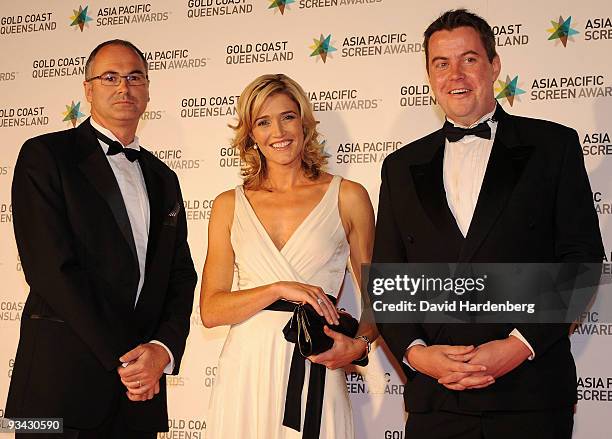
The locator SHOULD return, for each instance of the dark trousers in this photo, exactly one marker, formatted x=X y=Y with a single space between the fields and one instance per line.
x=544 y=424
x=114 y=427
x=88 y=434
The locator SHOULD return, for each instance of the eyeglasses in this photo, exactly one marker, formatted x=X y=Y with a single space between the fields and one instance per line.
x=114 y=79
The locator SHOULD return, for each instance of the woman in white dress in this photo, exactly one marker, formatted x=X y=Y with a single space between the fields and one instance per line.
x=289 y=231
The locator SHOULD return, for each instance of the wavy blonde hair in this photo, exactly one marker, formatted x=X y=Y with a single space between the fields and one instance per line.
x=253 y=168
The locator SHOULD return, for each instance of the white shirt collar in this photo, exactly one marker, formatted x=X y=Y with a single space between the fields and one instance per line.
x=108 y=133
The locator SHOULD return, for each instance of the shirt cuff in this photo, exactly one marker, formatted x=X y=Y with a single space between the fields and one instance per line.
x=515 y=333
x=419 y=342
x=170 y=366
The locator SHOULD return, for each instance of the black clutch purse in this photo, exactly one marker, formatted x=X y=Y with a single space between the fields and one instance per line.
x=305 y=329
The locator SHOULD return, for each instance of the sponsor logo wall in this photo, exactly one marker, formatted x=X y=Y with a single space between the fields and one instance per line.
x=362 y=65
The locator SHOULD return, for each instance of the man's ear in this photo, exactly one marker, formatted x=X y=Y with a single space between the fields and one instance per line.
x=88 y=89
x=496 y=63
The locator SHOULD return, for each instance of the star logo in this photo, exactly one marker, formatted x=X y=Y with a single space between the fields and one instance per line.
x=80 y=17
x=326 y=154
x=280 y=5
x=73 y=113
x=508 y=89
x=561 y=30
x=322 y=47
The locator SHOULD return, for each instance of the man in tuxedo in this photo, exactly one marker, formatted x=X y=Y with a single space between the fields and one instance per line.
x=487 y=187
x=102 y=236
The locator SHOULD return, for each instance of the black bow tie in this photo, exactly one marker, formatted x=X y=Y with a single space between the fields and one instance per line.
x=453 y=133
x=115 y=147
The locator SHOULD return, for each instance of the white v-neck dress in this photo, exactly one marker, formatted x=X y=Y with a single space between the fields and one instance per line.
x=248 y=397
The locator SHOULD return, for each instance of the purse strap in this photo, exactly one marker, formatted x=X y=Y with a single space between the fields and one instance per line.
x=301 y=320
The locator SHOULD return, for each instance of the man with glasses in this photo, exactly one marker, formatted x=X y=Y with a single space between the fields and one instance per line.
x=102 y=236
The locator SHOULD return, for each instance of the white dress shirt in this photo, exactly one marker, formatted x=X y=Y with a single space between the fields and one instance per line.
x=134 y=193
x=464 y=166
x=465 y=163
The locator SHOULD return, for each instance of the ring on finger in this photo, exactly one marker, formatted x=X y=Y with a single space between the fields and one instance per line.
x=319 y=300
x=139 y=383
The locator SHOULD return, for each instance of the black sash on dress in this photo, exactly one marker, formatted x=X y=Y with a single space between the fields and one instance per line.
x=295 y=385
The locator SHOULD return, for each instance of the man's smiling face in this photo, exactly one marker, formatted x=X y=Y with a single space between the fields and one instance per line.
x=461 y=75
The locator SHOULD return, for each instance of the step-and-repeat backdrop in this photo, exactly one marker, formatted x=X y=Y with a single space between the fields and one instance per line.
x=362 y=63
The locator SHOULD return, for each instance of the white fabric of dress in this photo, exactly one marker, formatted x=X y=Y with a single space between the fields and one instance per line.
x=248 y=397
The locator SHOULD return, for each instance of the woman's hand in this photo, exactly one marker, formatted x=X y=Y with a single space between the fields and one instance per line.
x=343 y=352
x=313 y=295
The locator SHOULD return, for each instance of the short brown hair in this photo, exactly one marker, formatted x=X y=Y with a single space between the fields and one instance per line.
x=462 y=18
x=254 y=169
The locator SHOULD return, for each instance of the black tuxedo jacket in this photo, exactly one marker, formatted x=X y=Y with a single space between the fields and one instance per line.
x=79 y=258
x=535 y=205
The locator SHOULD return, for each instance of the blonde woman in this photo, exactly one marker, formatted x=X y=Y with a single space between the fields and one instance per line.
x=289 y=230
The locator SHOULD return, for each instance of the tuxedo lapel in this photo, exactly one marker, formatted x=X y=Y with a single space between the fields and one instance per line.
x=97 y=170
x=506 y=163
x=429 y=186
x=155 y=192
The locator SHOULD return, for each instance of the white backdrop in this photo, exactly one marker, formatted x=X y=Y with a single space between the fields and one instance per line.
x=371 y=96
